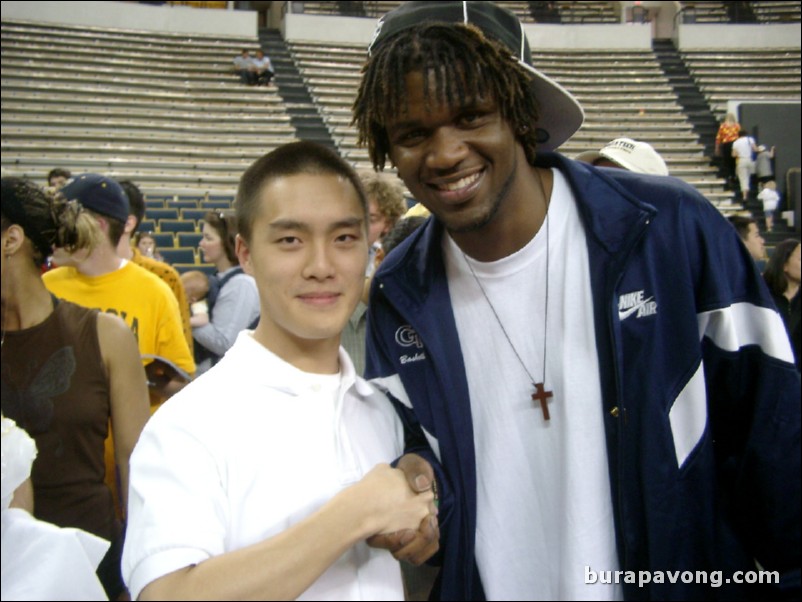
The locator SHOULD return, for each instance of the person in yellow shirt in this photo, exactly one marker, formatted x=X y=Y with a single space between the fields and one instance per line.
x=101 y=279
x=165 y=271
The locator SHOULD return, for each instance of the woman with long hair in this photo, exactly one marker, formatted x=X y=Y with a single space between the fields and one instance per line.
x=66 y=372
x=233 y=300
x=782 y=275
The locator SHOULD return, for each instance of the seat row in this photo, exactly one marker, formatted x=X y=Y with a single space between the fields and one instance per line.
x=173 y=226
x=191 y=214
x=174 y=240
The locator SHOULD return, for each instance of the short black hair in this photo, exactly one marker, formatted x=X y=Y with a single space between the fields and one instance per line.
x=136 y=201
x=58 y=172
x=401 y=230
x=302 y=157
x=741 y=224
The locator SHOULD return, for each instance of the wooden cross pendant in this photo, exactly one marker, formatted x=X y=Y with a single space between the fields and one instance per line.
x=542 y=395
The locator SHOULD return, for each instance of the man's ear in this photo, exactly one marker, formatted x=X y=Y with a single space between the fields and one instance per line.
x=130 y=224
x=244 y=255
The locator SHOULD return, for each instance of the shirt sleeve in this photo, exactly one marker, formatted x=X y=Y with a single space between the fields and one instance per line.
x=237 y=306
x=171 y=343
x=752 y=390
x=177 y=510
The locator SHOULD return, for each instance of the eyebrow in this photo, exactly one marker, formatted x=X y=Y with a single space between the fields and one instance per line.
x=476 y=104
x=291 y=224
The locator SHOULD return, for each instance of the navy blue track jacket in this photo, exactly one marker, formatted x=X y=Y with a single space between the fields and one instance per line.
x=701 y=397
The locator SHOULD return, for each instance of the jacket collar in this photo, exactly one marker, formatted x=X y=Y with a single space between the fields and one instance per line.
x=611 y=205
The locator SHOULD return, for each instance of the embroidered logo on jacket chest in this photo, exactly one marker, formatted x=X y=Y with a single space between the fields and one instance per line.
x=406 y=337
x=636 y=304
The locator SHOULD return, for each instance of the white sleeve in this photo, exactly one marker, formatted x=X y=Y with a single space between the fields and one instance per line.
x=177 y=507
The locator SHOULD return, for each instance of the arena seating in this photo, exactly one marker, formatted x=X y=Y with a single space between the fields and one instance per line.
x=627 y=95
x=164 y=240
x=745 y=74
x=767 y=11
x=705 y=12
x=566 y=11
x=164 y=110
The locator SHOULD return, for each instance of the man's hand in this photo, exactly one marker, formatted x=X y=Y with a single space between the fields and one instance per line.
x=414 y=546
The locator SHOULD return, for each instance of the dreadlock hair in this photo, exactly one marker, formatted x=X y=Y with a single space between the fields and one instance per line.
x=465 y=65
x=46 y=220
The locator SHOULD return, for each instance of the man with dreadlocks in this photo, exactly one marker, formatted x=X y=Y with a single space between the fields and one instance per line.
x=580 y=411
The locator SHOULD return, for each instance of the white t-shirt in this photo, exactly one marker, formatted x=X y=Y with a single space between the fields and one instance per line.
x=770 y=199
x=247 y=450
x=544 y=502
x=743 y=147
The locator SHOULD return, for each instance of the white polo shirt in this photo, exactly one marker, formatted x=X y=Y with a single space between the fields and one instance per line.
x=247 y=450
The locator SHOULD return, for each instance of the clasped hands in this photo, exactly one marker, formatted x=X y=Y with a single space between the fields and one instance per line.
x=418 y=546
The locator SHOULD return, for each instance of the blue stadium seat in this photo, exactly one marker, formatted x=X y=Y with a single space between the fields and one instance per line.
x=176 y=225
x=206 y=268
x=189 y=239
x=154 y=203
x=183 y=204
x=193 y=214
x=147 y=225
x=160 y=214
x=178 y=255
x=220 y=204
x=164 y=240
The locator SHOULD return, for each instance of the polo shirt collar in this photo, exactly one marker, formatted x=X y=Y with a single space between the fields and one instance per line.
x=275 y=373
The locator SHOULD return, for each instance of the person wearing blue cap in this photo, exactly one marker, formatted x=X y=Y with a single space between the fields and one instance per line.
x=103 y=280
x=588 y=365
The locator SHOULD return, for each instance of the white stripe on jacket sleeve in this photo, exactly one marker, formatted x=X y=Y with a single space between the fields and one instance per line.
x=729 y=328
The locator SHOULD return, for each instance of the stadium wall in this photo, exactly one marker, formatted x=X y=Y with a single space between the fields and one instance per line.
x=125 y=15
x=317 y=28
x=736 y=37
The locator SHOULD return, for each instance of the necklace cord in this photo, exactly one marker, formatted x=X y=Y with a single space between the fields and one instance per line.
x=546 y=221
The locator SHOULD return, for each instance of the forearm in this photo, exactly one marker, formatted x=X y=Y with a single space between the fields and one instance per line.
x=279 y=568
x=233 y=313
x=215 y=338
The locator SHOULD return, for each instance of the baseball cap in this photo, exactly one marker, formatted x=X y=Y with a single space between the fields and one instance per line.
x=560 y=113
x=630 y=154
x=98 y=193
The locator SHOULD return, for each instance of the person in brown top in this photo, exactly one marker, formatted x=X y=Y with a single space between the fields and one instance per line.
x=66 y=371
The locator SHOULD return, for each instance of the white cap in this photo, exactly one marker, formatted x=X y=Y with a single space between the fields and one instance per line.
x=629 y=154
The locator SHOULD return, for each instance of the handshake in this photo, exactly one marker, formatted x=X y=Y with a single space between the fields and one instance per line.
x=403 y=496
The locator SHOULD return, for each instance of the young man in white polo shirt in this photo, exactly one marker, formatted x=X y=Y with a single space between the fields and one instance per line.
x=263 y=478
